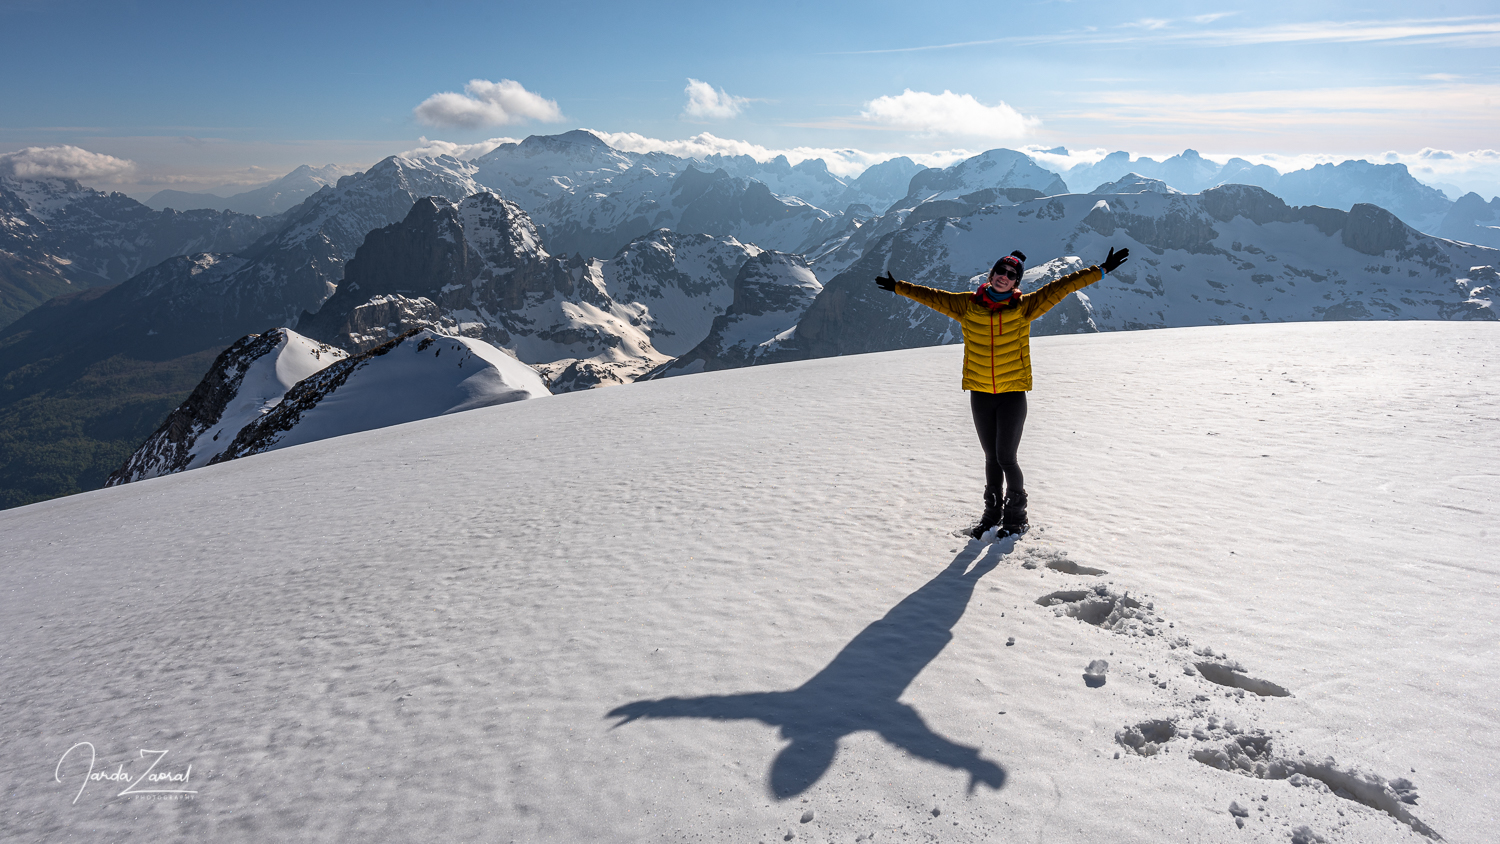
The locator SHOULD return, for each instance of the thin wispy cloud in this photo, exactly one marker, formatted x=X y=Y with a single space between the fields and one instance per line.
x=1465 y=31
x=1340 y=118
x=704 y=102
x=486 y=103
x=948 y=114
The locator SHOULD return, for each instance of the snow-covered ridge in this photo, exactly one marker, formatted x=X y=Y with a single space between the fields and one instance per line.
x=400 y=381
x=247 y=381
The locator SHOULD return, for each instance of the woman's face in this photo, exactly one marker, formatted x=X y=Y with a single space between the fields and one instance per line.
x=1002 y=283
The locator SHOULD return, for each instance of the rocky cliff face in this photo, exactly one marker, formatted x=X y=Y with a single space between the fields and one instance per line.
x=771 y=293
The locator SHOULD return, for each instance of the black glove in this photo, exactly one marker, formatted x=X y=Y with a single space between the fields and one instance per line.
x=886 y=282
x=1115 y=259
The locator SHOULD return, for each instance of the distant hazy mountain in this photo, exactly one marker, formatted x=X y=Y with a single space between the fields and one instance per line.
x=266 y=200
x=1135 y=183
x=1340 y=186
x=587 y=198
x=1472 y=220
x=57 y=236
x=1188 y=172
x=1389 y=186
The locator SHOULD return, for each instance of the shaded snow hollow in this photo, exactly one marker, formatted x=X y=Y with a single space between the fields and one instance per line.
x=728 y=607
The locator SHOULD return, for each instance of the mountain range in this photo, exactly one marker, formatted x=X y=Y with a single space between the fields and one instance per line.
x=265 y=200
x=58 y=237
x=599 y=266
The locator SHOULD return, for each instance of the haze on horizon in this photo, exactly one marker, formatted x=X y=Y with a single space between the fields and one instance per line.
x=172 y=95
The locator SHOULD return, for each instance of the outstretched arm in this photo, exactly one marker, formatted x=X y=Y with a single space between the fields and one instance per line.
x=944 y=302
x=905 y=729
x=1048 y=295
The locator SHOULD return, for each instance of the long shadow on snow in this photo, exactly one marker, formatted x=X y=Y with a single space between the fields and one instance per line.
x=858 y=690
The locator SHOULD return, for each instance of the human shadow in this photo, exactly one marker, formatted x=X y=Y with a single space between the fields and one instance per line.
x=859 y=689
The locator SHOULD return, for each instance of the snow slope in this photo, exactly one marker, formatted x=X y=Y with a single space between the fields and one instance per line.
x=727 y=608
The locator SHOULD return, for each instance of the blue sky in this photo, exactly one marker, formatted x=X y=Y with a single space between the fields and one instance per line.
x=195 y=95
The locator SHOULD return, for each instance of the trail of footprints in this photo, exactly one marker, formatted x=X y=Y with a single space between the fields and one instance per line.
x=1212 y=741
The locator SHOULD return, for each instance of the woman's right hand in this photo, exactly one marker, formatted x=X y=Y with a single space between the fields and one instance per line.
x=886 y=282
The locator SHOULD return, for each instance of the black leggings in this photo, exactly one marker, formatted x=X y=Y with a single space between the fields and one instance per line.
x=999 y=418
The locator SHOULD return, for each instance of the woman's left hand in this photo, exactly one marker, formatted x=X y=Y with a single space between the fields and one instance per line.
x=1115 y=259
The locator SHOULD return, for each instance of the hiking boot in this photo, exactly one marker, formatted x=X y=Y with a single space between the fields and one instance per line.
x=1013 y=516
x=991 y=515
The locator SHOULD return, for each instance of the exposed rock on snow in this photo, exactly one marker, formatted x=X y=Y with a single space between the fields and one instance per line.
x=402 y=380
x=247 y=381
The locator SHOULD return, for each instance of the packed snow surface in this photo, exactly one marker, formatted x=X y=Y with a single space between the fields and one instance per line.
x=729 y=607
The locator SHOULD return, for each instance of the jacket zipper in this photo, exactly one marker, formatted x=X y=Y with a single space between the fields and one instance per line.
x=994 y=383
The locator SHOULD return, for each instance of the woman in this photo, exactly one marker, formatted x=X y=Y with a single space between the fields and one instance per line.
x=996 y=321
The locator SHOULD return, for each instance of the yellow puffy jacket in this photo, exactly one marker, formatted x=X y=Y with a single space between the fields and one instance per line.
x=997 y=344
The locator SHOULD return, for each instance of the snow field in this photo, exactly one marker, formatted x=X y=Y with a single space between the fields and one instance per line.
x=420 y=632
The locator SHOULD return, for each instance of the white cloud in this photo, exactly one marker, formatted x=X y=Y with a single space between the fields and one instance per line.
x=841 y=162
x=949 y=114
x=68 y=162
x=431 y=148
x=707 y=103
x=486 y=103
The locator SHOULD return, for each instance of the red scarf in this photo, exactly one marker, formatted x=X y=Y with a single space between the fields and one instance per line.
x=983 y=294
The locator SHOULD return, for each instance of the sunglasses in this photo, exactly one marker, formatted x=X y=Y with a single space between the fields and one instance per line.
x=1008 y=272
